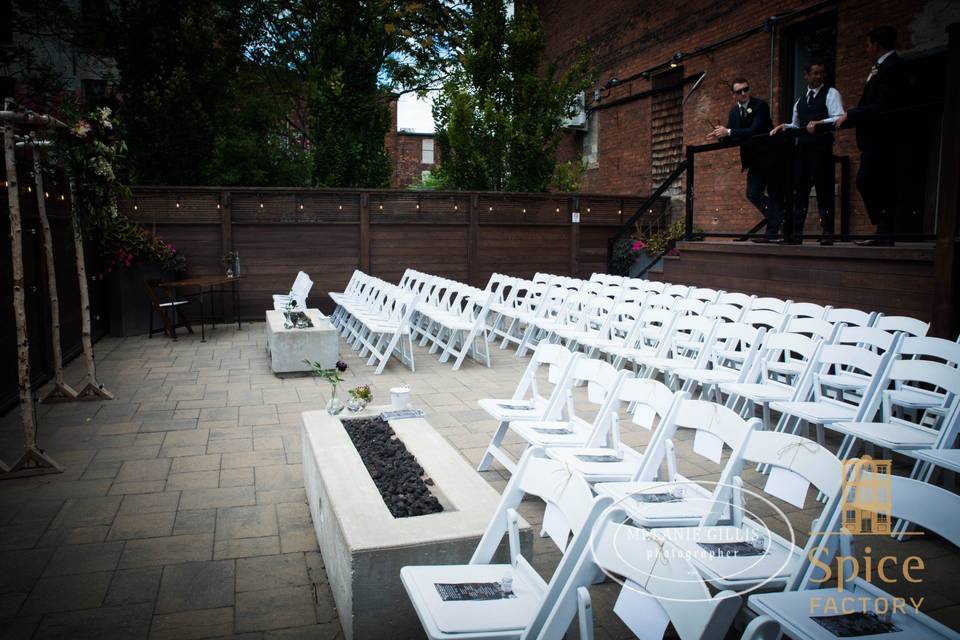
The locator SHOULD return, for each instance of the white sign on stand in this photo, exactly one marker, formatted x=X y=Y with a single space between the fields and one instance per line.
x=575 y=217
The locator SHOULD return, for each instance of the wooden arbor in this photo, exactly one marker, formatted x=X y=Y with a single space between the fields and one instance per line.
x=34 y=461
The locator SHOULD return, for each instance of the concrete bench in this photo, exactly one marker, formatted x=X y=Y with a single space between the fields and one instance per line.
x=288 y=348
x=364 y=546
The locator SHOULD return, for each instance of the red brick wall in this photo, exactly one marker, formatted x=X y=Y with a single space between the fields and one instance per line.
x=405 y=150
x=627 y=37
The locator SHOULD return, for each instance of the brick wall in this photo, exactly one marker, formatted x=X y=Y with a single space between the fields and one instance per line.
x=625 y=38
x=405 y=150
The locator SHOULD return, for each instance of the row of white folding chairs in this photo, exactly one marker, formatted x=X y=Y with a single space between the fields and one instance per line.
x=791 y=452
x=374 y=317
x=728 y=303
x=657 y=403
x=450 y=316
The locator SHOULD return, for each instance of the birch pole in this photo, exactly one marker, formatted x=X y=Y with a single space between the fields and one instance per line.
x=61 y=391
x=33 y=461
x=92 y=390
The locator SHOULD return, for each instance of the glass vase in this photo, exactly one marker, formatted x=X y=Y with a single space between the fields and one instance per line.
x=334 y=405
x=356 y=405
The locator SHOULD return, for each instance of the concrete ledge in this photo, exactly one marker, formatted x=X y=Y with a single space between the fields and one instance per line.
x=364 y=546
x=289 y=347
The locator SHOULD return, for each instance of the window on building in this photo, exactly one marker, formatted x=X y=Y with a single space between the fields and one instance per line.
x=6 y=21
x=812 y=39
x=666 y=127
x=591 y=141
x=426 y=151
x=851 y=515
x=881 y=518
x=93 y=92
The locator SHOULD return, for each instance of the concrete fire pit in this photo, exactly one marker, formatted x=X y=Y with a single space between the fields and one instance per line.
x=364 y=547
x=289 y=347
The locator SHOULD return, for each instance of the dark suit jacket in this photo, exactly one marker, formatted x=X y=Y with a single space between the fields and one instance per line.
x=886 y=90
x=757 y=122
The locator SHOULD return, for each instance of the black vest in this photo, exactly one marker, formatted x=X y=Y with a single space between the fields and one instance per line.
x=816 y=110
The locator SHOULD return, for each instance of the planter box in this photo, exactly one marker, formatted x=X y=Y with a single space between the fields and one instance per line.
x=288 y=348
x=641 y=263
x=129 y=308
x=364 y=547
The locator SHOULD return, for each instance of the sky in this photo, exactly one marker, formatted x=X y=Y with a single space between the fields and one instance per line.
x=413 y=113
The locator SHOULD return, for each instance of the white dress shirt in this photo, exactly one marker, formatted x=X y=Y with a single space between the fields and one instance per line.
x=834 y=106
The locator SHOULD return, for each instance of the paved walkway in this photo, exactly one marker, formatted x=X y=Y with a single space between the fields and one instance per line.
x=182 y=513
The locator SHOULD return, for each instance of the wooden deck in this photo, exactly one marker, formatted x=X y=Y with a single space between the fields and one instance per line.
x=894 y=280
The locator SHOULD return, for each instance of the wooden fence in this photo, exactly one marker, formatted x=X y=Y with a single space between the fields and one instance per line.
x=461 y=235
x=327 y=233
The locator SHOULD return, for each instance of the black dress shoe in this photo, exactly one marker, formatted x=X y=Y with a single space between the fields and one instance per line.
x=826 y=240
x=875 y=242
x=786 y=241
x=763 y=240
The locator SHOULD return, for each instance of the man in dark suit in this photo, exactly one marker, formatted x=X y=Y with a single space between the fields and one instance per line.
x=814 y=115
x=879 y=179
x=749 y=117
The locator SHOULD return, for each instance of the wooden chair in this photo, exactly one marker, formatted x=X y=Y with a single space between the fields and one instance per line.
x=169 y=312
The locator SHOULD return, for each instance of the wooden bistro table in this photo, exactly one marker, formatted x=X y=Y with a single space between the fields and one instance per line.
x=206 y=285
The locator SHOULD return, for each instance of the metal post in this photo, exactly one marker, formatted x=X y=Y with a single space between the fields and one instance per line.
x=688 y=223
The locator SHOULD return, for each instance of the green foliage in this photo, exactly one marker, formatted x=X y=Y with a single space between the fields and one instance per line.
x=431 y=182
x=254 y=145
x=568 y=176
x=499 y=115
x=176 y=62
x=343 y=62
x=90 y=150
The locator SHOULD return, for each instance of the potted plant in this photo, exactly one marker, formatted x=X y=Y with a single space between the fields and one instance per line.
x=334 y=405
x=231 y=263
x=360 y=397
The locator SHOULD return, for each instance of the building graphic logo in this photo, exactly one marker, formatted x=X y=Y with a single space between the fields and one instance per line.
x=866 y=497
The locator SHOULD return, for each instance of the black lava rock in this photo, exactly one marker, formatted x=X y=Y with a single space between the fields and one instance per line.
x=394 y=470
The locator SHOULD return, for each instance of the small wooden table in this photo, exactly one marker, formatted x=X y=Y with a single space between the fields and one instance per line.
x=206 y=284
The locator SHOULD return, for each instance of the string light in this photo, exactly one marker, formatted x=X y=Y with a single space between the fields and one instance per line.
x=524 y=210
x=46 y=194
x=456 y=207
x=381 y=206
x=491 y=208
x=62 y=198
x=29 y=189
x=588 y=209
x=136 y=207
x=558 y=209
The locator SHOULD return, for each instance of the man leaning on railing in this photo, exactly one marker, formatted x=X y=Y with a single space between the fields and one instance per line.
x=821 y=107
x=748 y=118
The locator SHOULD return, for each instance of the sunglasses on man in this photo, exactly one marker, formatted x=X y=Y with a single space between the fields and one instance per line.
x=742 y=91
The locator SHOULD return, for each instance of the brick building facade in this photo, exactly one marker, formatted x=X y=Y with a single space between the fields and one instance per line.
x=636 y=130
x=410 y=153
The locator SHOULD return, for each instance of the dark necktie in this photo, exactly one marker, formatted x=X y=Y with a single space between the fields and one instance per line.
x=810 y=96
x=743 y=113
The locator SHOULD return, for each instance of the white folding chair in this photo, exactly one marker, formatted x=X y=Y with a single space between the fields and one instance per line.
x=735 y=347
x=298 y=293
x=759 y=557
x=850 y=317
x=649 y=567
x=528 y=402
x=796 y=609
x=499 y=616
x=906 y=324
x=657 y=499
x=604 y=458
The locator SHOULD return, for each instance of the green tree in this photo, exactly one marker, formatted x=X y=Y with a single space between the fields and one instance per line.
x=348 y=59
x=499 y=115
x=177 y=60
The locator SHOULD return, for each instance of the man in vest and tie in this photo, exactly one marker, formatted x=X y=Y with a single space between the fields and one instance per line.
x=814 y=117
x=880 y=179
x=748 y=118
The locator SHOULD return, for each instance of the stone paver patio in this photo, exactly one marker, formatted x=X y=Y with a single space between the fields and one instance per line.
x=182 y=512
